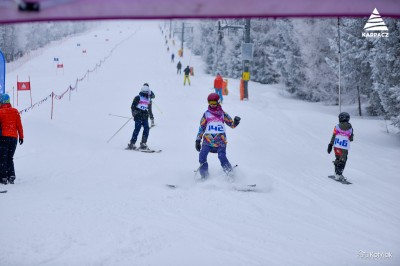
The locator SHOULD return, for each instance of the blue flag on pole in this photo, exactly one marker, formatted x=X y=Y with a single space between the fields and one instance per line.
x=2 y=73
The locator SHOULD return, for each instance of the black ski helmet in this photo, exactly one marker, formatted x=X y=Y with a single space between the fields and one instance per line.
x=146 y=84
x=344 y=117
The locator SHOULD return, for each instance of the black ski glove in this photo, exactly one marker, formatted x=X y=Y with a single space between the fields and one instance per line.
x=329 y=148
x=134 y=112
x=236 y=121
x=198 y=145
x=21 y=141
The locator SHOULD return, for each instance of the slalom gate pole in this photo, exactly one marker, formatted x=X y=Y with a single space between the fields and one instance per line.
x=120 y=116
x=119 y=130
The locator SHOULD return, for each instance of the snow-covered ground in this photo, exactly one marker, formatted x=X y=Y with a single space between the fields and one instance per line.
x=79 y=200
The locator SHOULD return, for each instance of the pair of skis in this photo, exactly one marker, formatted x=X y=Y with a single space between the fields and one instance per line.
x=144 y=150
x=243 y=188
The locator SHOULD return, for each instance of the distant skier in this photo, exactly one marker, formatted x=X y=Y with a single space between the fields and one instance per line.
x=140 y=113
x=186 y=71
x=340 y=141
x=11 y=132
x=172 y=58
x=179 y=68
x=218 y=82
x=212 y=132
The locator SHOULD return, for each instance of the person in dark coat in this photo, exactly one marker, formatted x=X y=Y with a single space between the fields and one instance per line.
x=186 y=71
x=172 y=57
x=11 y=132
x=179 y=68
x=140 y=113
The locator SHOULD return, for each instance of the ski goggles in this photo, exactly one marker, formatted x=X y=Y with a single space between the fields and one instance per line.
x=215 y=103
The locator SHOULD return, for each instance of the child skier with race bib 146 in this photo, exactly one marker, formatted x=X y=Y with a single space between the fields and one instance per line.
x=212 y=131
x=340 y=142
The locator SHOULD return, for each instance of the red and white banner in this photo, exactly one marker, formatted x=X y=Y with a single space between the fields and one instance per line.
x=24 y=86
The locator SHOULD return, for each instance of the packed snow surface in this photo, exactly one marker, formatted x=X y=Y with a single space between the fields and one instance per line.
x=79 y=200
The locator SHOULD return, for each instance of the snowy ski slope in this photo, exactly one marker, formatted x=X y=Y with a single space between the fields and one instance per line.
x=80 y=201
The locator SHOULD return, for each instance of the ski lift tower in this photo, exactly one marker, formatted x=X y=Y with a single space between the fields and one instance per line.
x=247 y=51
x=184 y=27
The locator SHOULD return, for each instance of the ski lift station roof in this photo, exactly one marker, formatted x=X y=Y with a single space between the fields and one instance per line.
x=15 y=11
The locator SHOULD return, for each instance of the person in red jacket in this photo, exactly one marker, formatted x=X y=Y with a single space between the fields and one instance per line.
x=10 y=131
x=218 y=81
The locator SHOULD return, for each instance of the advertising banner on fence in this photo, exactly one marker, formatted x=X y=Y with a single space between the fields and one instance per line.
x=2 y=73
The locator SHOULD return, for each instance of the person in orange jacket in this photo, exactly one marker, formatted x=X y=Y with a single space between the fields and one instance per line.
x=10 y=131
x=218 y=81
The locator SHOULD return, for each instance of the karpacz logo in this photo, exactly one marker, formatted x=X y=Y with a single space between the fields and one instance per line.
x=375 y=26
x=375 y=34
x=218 y=128
x=342 y=143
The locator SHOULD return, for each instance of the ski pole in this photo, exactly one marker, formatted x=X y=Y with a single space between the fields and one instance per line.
x=157 y=107
x=196 y=171
x=119 y=129
x=120 y=116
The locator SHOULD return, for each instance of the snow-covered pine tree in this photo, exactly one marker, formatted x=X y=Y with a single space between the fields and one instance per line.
x=19 y=39
x=356 y=68
x=312 y=36
x=290 y=65
x=266 y=51
x=386 y=72
x=206 y=44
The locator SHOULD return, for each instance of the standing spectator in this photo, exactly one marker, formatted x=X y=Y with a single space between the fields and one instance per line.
x=172 y=57
x=179 y=67
x=10 y=130
x=186 y=71
x=218 y=82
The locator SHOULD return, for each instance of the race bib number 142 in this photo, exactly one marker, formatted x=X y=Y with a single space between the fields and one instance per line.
x=215 y=128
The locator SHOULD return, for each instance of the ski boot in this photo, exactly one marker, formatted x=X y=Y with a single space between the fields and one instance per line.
x=143 y=146
x=3 y=181
x=340 y=178
x=131 y=146
x=203 y=178
x=11 y=179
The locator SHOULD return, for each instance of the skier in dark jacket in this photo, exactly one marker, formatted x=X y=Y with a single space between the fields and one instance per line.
x=179 y=68
x=340 y=142
x=140 y=115
x=186 y=71
x=212 y=132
